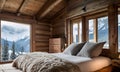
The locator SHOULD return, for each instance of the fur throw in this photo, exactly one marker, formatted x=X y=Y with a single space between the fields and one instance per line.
x=43 y=62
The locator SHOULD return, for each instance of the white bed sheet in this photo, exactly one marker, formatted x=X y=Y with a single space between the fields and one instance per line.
x=86 y=64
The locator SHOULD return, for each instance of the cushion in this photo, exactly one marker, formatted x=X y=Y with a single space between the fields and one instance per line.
x=69 y=49
x=91 y=49
x=77 y=48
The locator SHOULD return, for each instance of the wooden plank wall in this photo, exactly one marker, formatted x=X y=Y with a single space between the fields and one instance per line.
x=75 y=8
x=58 y=26
x=41 y=37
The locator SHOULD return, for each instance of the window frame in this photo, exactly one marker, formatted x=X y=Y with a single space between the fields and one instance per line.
x=95 y=17
x=78 y=21
x=22 y=22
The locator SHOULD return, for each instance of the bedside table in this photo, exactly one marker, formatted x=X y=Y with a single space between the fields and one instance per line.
x=116 y=65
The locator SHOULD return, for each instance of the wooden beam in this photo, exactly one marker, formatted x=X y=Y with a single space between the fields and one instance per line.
x=91 y=6
x=20 y=7
x=2 y=5
x=113 y=28
x=14 y=17
x=83 y=29
x=48 y=7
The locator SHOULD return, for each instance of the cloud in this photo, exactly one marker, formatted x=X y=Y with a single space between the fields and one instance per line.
x=14 y=31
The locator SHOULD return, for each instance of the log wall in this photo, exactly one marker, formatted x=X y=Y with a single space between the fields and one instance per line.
x=41 y=37
x=58 y=26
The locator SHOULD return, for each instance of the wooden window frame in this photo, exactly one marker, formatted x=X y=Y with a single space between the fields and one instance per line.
x=78 y=20
x=31 y=34
x=95 y=17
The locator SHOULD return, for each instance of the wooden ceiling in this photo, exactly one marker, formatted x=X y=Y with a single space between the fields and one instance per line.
x=38 y=9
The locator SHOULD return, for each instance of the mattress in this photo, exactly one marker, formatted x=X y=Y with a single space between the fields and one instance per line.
x=85 y=64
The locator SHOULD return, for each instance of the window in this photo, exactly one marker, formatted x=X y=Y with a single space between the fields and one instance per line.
x=91 y=30
x=103 y=30
x=15 y=40
x=77 y=31
x=98 y=30
x=119 y=33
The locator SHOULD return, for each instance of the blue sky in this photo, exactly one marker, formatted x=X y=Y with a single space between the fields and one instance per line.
x=13 y=31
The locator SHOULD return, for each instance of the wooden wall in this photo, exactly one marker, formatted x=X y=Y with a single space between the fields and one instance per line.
x=41 y=37
x=75 y=7
x=58 y=25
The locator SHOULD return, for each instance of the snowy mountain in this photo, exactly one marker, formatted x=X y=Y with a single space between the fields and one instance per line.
x=25 y=43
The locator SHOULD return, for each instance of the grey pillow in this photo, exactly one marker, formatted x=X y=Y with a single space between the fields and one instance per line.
x=69 y=49
x=91 y=49
x=77 y=48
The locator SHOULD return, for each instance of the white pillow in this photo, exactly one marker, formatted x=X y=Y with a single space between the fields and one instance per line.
x=91 y=49
x=69 y=49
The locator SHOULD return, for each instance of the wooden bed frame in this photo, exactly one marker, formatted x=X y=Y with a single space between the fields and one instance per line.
x=105 y=69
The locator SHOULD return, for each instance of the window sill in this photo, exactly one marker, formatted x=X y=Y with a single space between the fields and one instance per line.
x=6 y=62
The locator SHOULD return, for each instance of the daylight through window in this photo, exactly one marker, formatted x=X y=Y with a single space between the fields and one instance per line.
x=119 y=33
x=15 y=40
x=103 y=31
x=77 y=31
x=98 y=30
x=91 y=30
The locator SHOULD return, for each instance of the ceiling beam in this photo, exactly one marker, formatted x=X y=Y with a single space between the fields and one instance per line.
x=2 y=5
x=20 y=7
x=13 y=17
x=51 y=4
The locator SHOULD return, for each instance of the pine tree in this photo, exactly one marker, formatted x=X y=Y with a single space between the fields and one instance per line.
x=22 y=50
x=13 y=55
x=5 y=54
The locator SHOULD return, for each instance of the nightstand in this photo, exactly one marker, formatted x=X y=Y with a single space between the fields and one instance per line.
x=116 y=65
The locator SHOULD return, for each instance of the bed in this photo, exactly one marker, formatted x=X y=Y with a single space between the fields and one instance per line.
x=59 y=62
x=85 y=64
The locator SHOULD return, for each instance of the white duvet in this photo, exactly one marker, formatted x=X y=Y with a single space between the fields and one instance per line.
x=86 y=64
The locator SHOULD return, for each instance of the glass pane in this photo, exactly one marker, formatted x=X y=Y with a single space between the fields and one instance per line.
x=91 y=30
x=119 y=33
x=15 y=40
x=103 y=30
x=80 y=32
x=75 y=32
